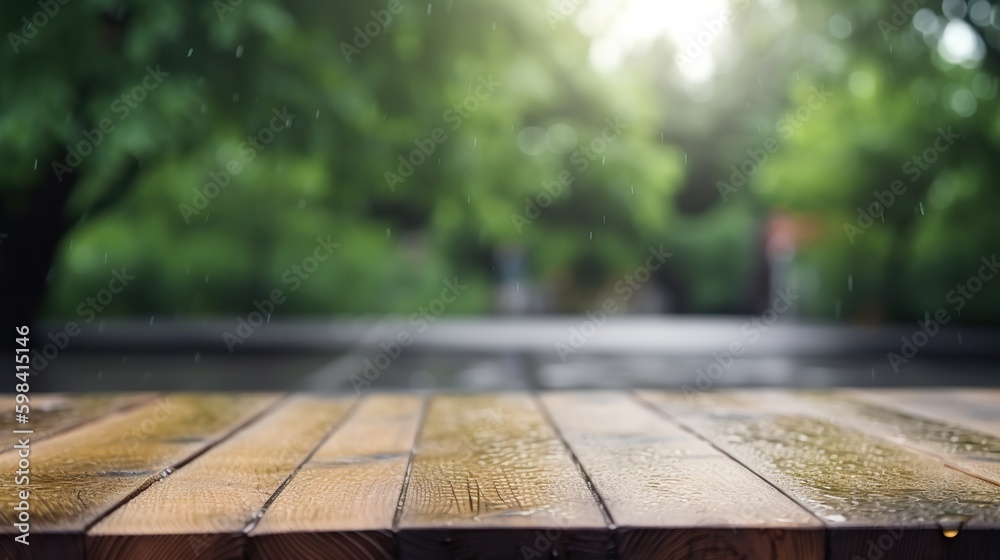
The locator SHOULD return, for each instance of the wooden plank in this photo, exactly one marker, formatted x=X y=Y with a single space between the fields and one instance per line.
x=971 y=451
x=673 y=496
x=52 y=413
x=202 y=509
x=341 y=504
x=491 y=479
x=78 y=476
x=978 y=409
x=876 y=497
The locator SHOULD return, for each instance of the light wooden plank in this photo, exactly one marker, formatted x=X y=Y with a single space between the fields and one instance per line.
x=962 y=448
x=78 y=476
x=978 y=409
x=203 y=508
x=52 y=413
x=491 y=479
x=673 y=496
x=341 y=504
x=869 y=491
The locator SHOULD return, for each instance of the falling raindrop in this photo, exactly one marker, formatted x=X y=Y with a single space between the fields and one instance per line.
x=591 y=235
x=239 y=51
x=203 y=108
x=428 y=9
x=921 y=208
x=760 y=83
x=517 y=286
x=474 y=140
x=387 y=233
x=661 y=137
x=100 y=374
x=633 y=188
x=685 y=158
x=190 y=52
x=151 y=317
x=36 y=165
x=797 y=75
x=187 y=271
x=317 y=113
x=197 y=357
x=206 y=217
x=236 y=97
x=602 y=160
x=605 y=220
x=105 y=258
x=207 y=276
x=384 y=116
x=959 y=338
x=494 y=26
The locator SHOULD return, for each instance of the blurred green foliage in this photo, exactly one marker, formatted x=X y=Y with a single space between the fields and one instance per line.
x=230 y=65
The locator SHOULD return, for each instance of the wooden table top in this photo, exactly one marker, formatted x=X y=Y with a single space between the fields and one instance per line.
x=755 y=474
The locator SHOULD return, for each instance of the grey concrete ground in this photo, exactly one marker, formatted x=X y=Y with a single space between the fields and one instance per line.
x=509 y=354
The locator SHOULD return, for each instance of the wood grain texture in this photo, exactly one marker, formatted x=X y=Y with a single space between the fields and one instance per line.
x=215 y=496
x=978 y=409
x=341 y=504
x=491 y=479
x=78 y=476
x=673 y=496
x=876 y=497
x=52 y=413
x=962 y=448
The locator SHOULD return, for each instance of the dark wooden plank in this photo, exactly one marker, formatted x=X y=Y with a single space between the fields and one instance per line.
x=491 y=479
x=202 y=508
x=875 y=496
x=52 y=413
x=673 y=496
x=341 y=504
x=78 y=476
